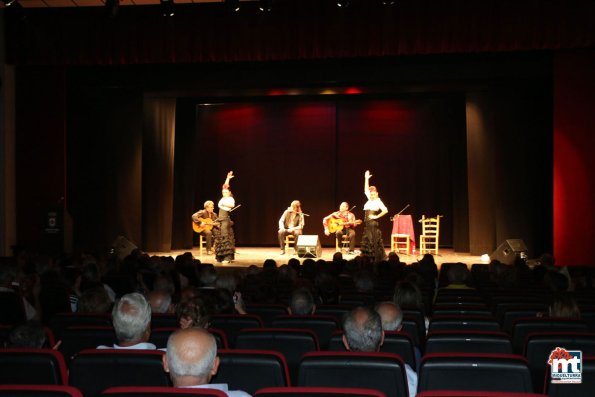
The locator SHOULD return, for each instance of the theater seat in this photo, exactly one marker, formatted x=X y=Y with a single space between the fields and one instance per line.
x=317 y=392
x=475 y=371
x=39 y=391
x=250 y=370
x=467 y=393
x=32 y=366
x=231 y=324
x=157 y=391
x=585 y=388
x=95 y=370
x=381 y=371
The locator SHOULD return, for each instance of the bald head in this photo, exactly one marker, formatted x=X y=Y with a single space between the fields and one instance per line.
x=160 y=301
x=191 y=357
x=391 y=316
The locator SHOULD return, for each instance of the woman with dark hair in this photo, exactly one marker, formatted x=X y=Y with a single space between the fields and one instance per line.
x=225 y=241
x=374 y=208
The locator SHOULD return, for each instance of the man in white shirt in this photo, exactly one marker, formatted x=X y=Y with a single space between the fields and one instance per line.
x=132 y=323
x=191 y=361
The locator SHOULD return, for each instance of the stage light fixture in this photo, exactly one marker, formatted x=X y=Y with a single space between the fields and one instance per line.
x=388 y=2
x=265 y=5
x=343 y=3
x=233 y=5
x=167 y=8
x=8 y=3
x=112 y=7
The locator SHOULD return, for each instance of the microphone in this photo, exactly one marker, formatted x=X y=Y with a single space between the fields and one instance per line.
x=352 y=208
x=303 y=213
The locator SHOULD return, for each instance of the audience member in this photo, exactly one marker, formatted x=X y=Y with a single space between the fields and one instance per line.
x=132 y=322
x=160 y=301
x=458 y=276
x=564 y=306
x=94 y=300
x=302 y=302
x=193 y=312
x=30 y=335
x=362 y=332
x=191 y=361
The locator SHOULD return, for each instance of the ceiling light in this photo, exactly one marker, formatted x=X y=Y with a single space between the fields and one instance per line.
x=343 y=3
x=167 y=8
x=265 y=5
x=234 y=5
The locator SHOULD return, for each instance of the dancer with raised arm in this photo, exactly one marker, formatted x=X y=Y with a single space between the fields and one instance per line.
x=225 y=247
x=374 y=209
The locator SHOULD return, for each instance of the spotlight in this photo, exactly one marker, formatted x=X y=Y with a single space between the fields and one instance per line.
x=233 y=5
x=265 y=5
x=112 y=7
x=343 y=3
x=388 y=2
x=167 y=8
x=8 y=3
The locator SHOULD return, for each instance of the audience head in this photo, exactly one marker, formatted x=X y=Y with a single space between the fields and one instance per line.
x=94 y=300
x=193 y=312
x=132 y=319
x=457 y=274
x=160 y=301
x=302 y=302
x=408 y=294
x=564 y=306
x=191 y=357
x=362 y=330
x=207 y=276
x=391 y=316
x=29 y=336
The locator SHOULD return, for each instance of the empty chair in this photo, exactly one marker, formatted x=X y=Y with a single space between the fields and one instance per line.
x=538 y=347
x=430 y=235
x=95 y=370
x=473 y=393
x=75 y=339
x=266 y=311
x=468 y=342
x=461 y=311
x=159 y=337
x=381 y=371
x=585 y=388
x=523 y=327
x=32 y=366
x=291 y=342
x=395 y=342
x=512 y=314
x=158 y=391
x=464 y=371
x=460 y=323
x=231 y=324
x=39 y=391
x=322 y=326
x=317 y=392
x=250 y=370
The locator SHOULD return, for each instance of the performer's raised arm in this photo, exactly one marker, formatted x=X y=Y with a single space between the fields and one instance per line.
x=367 y=177
x=226 y=183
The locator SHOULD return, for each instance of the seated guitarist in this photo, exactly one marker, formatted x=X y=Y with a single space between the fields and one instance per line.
x=205 y=220
x=341 y=223
x=291 y=222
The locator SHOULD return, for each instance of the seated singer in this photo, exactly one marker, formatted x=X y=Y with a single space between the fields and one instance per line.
x=204 y=221
x=291 y=222
x=341 y=223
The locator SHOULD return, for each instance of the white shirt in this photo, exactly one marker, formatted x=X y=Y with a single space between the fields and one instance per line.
x=374 y=205
x=226 y=203
x=219 y=386
x=139 y=346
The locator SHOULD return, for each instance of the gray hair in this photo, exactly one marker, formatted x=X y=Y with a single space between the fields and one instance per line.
x=199 y=368
x=363 y=329
x=302 y=302
x=390 y=314
x=131 y=317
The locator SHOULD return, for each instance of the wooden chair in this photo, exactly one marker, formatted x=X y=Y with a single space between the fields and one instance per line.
x=289 y=242
x=344 y=243
x=399 y=242
x=430 y=233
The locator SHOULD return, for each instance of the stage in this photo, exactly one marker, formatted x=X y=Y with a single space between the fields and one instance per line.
x=247 y=256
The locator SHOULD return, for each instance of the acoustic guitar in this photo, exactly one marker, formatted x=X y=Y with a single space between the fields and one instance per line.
x=336 y=224
x=204 y=224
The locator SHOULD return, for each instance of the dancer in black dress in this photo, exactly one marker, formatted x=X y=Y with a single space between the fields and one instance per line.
x=225 y=241
x=374 y=208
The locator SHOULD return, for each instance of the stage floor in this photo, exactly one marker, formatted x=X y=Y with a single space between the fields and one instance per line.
x=247 y=256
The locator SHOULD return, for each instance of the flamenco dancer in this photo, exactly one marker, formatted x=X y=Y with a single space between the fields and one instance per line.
x=374 y=208
x=225 y=241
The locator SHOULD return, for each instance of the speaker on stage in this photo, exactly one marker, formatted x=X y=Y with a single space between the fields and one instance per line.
x=509 y=250
x=122 y=247
x=308 y=246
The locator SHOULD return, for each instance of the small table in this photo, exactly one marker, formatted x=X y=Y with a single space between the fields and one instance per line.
x=403 y=225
